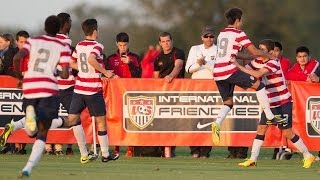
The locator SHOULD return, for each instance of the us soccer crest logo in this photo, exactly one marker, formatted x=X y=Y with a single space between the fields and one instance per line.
x=141 y=110
x=315 y=116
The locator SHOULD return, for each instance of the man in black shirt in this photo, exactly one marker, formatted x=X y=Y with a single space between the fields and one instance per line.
x=170 y=62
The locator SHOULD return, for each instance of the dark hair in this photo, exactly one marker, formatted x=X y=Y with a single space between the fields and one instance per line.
x=278 y=45
x=122 y=37
x=22 y=33
x=302 y=49
x=9 y=37
x=63 y=18
x=164 y=34
x=269 y=43
x=52 y=25
x=88 y=26
x=233 y=14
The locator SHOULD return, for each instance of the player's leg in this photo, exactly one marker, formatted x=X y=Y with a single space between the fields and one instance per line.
x=226 y=91
x=246 y=81
x=294 y=138
x=46 y=110
x=97 y=108
x=257 y=142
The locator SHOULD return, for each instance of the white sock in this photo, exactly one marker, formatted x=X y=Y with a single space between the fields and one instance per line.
x=264 y=103
x=35 y=156
x=222 y=114
x=19 y=124
x=302 y=148
x=255 y=151
x=81 y=139
x=104 y=145
x=57 y=122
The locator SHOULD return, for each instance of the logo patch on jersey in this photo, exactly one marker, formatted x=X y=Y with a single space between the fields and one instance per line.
x=141 y=110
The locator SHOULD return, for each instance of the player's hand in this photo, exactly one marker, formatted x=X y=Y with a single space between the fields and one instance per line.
x=235 y=62
x=168 y=78
x=313 y=78
x=108 y=73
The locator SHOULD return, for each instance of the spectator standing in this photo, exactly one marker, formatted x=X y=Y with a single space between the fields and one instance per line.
x=125 y=64
x=7 y=51
x=284 y=62
x=169 y=65
x=148 y=61
x=200 y=64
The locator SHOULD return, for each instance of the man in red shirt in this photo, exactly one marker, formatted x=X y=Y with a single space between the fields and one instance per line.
x=304 y=66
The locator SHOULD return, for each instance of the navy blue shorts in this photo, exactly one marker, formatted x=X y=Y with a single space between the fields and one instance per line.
x=46 y=108
x=65 y=97
x=285 y=111
x=239 y=78
x=95 y=104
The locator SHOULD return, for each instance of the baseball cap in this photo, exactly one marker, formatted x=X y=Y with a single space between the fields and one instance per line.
x=207 y=30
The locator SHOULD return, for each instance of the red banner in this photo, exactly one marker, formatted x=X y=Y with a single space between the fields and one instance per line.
x=147 y=112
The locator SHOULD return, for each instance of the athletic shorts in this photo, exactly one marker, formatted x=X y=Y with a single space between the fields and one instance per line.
x=284 y=110
x=239 y=78
x=46 y=108
x=95 y=104
x=65 y=97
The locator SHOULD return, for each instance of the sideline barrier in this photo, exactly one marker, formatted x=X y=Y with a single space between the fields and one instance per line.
x=147 y=112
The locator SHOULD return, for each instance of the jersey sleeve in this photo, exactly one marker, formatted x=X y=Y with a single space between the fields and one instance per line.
x=65 y=56
x=243 y=40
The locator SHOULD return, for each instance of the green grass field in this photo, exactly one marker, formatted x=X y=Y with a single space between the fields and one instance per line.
x=183 y=167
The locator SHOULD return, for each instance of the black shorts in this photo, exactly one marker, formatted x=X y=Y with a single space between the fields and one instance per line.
x=239 y=78
x=65 y=97
x=285 y=110
x=95 y=104
x=46 y=108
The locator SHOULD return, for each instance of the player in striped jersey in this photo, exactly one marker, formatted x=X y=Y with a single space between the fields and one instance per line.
x=87 y=59
x=226 y=74
x=40 y=85
x=280 y=102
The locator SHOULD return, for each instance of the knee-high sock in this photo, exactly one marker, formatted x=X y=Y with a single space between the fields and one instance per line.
x=256 y=146
x=19 y=124
x=35 y=156
x=222 y=114
x=57 y=122
x=298 y=143
x=264 y=103
x=81 y=139
x=104 y=144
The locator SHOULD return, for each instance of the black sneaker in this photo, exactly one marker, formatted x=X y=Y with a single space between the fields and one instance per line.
x=278 y=119
x=111 y=157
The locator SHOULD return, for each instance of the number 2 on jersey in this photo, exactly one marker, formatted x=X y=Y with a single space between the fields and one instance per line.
x=43 y=59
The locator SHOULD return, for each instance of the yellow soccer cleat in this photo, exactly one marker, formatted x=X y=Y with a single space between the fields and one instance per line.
x=5 y=134
x=31 y=123
x=248 y=163
x=308 y=162
x=89 y=158
x=215 y=133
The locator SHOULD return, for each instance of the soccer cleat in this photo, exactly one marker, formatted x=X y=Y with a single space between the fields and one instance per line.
x=24 y=174
x=31 y=123
x=308 y=162
x=278 y=119
x=89 y=158
x=215 y=133
x=111 y=157
x=5 y=134
x=248 y=163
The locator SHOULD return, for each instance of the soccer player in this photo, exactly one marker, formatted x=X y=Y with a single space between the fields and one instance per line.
x=226 y=74
x=40 y=89
x=280 y=101
x=87 y=58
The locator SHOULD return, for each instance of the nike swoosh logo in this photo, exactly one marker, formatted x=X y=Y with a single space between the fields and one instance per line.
x=201 y=126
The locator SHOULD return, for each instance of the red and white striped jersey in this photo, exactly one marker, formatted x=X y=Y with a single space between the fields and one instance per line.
x=276 y=87
x=229 y=43
x=65 y=83
x=45 y=53
x=88 y=81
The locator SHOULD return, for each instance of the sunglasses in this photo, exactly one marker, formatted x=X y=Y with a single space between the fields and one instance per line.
x=208 y=36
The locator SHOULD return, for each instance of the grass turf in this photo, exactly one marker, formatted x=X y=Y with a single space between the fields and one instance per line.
x=183 y=167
